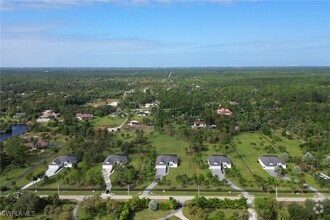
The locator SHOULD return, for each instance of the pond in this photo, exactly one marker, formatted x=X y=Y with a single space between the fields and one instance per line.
x=17 y=129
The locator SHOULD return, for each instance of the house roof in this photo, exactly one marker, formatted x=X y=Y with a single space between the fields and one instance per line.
x=42 y=143
x=80 y=115
x=20 y=115
x=116 y=158
x=218 y=159
x=271 y=160
x=164 y=159
x=68 y=158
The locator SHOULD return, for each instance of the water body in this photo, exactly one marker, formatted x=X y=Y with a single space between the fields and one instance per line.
x=17 y=129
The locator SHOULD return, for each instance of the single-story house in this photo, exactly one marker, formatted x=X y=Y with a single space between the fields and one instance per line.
x=42 y=144
x=31 y=145
x=117 y=114
x=199 y=124
x=19 y=115
x=63 y=161
x=113 y=129
x=223 y=111
x=167 y=160
x=151 y=105
x=81 y=116
x=218 y=162
x=113 y=159
x=142 y=113
x=114 y=104
x=47 y=115
x=133 y=123
x=269 y=162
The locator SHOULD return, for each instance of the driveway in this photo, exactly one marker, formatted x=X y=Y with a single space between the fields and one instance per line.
x=106 y=176
x=219 y=173
x=150 y=187
x=160 y=173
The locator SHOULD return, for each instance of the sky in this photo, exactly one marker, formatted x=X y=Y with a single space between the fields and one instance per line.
x=164 y=33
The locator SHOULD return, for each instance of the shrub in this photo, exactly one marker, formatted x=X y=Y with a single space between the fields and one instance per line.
x=153 y=206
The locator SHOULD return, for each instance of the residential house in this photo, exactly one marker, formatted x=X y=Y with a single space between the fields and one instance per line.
x=133 y=123
x=42 y=144
x=114 y=159
x=142 y=113
x=47 y=115
x=224 y=111
x=114 y=104
x=167 y=160
x=218 y=162
x=113 y=129
x=117 y=114
x=151 y=105
x=19 y=115
x=81 y=116
x=63 y=161
x=199 y=124
x=269 y=162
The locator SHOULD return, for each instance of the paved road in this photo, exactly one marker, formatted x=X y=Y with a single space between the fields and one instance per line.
x=179 y=198
x=75 y=210
x=150 y=187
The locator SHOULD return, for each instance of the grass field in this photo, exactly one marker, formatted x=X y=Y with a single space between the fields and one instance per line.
x=147 y=214
x=108 y=121
x=212 y=212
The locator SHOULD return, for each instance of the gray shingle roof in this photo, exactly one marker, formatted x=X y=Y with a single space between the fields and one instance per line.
x=68 y=158
x=271 y=160
x=218 y=159
x=116 y=158
x=164 y=159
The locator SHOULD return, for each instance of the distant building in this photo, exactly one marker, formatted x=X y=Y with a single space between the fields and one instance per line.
x=133 y=123
x=198 y=124
x=270 y=162
x=114 y=104
x=42 y=144
x=218 y=162
x=114 y=159
x=223 y=111
x=142 y=113
x=19 y=115
x=151 y=105
x=81 y=116
x=47 y=115
x=63 y=161
x=167 y=160
x=117 y=114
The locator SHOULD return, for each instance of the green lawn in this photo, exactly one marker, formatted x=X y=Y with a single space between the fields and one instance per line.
x=108 y=121
x=147 y=214
x=212 y=212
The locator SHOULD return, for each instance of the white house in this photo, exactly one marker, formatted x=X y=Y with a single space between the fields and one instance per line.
x=143 y=113
x=167 y=161
x=198 y=124
x=218 y=162
x=114 y=104
x=133 y=123
x=63 y=161
x=113 y=159
x=81 y=116
x=47 y=115
x=163 y=163
x=269 y=162
x=151 y=105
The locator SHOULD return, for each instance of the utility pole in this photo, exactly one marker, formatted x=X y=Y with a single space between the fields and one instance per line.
x=128 y=189
x=198 y=191
x=58 y=190
x=276 y=192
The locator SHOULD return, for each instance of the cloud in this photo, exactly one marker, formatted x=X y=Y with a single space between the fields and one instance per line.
x=12 y=5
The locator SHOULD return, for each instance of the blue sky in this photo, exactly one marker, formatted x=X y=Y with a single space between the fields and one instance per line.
x=162 y=33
